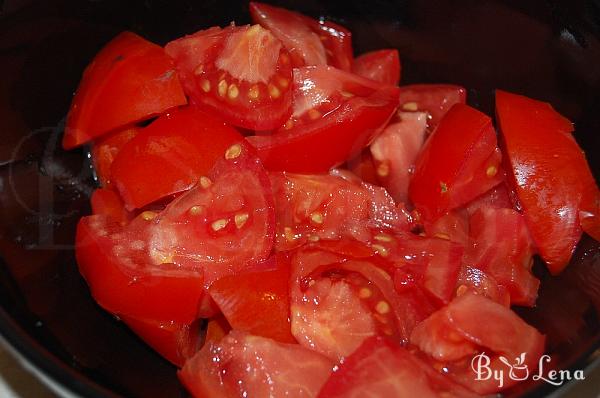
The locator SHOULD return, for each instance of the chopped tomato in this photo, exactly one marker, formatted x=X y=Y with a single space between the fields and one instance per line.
x=395 y=152
x=175 y=342
x=453 y=226
x=257 y=302
x=479 y=321
x=336 y=114
x=223 y=225
x=338 y=300
x=242 y=365
x=435 y=99
x=498 y=197
x=549 y=172
x=381 y=65
x=114 y=263
x=310 y=42
x=382 y=368
x=474 y=279
x=502 y=247
x=158 y=266
x=105 y=150
x=327 y=207
x=170 y=155
x=459 y=162
x=242 y=74
x=107 y=202
x=130 y=80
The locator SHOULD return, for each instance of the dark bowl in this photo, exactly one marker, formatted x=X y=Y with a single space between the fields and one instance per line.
x=545 y=49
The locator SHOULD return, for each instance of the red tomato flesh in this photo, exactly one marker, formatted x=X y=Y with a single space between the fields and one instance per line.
x=170 y=155
x=310 y=42
x=257 y=302
x=435 y=99
x=459 y=162
x=107 y=202
x=130 y=80
x=381 y=65
x=105 y=149
x=242 y=74
x=382 y=368
x=336 y=114
x=550 y=175
x=242 y=365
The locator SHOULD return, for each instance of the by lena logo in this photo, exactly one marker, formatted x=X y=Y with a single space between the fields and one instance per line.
x=517 y=370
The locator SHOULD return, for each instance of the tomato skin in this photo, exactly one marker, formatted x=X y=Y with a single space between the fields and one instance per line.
x=381 y=65
x=242 y=74
x=174 y=342
x=242 y=365
x=546 y=162
x=257 y=302
x=107 y=202
x=316 y=145
x=382 y=368
x=444 y=178
x=105 y=149
x=170 y=155
x=435 y=99
x=130 y=80
x=310 y=42
x=172 y=295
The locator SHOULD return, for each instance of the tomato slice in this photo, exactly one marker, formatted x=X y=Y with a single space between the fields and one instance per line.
x=114 y=263
x=336 y=114
x=105 y=149
x=502 y=247
x=130 y=80
x=435 y=99
x=257 y=302
x=310 y=42
x=503 y=337
x=170 y=155
x=382 y=368
x=328 y=207
x=550 y=175
x=107 y=202
x=381 y=65
x=242 y=74
x=242 y=365
x=459 y=162
x=174 y=342
x=223 y=225
x=395 y=152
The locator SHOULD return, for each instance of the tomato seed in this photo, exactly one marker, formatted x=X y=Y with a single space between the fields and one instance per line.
x=233 y=152
x=240 y=219
x=382 y=251
x=491 y=171
x=233 y=91
x=197 y=210
x=317 y=217
x=148 y=215
x=382 y=307
x=205 y=85
x=274 y=91
x=205 y=182
x=222 y=88
x=364 y=293
x=383 y=170
x=219 y=224
x=410 y=106
x=253 y=92
x=383 y=237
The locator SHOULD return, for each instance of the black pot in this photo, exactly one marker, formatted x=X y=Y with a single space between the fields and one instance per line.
x=548 y=50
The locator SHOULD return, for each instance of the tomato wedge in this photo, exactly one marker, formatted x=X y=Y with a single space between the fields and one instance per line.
x=502 y=247
x=553 y=182
x=242 y=365
x=105 y=150
x=242 y=74
x=328 y=207
x=310 y=42
x=381 y=65
x=459 y=162
x=336 y=114
x=257 y=302
x=382 y=368
x=115 y=264
x=503 y=337
x=395 y=152
x=174 y=342
x=170 y=155
x=130 y=80
x=435 y=99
